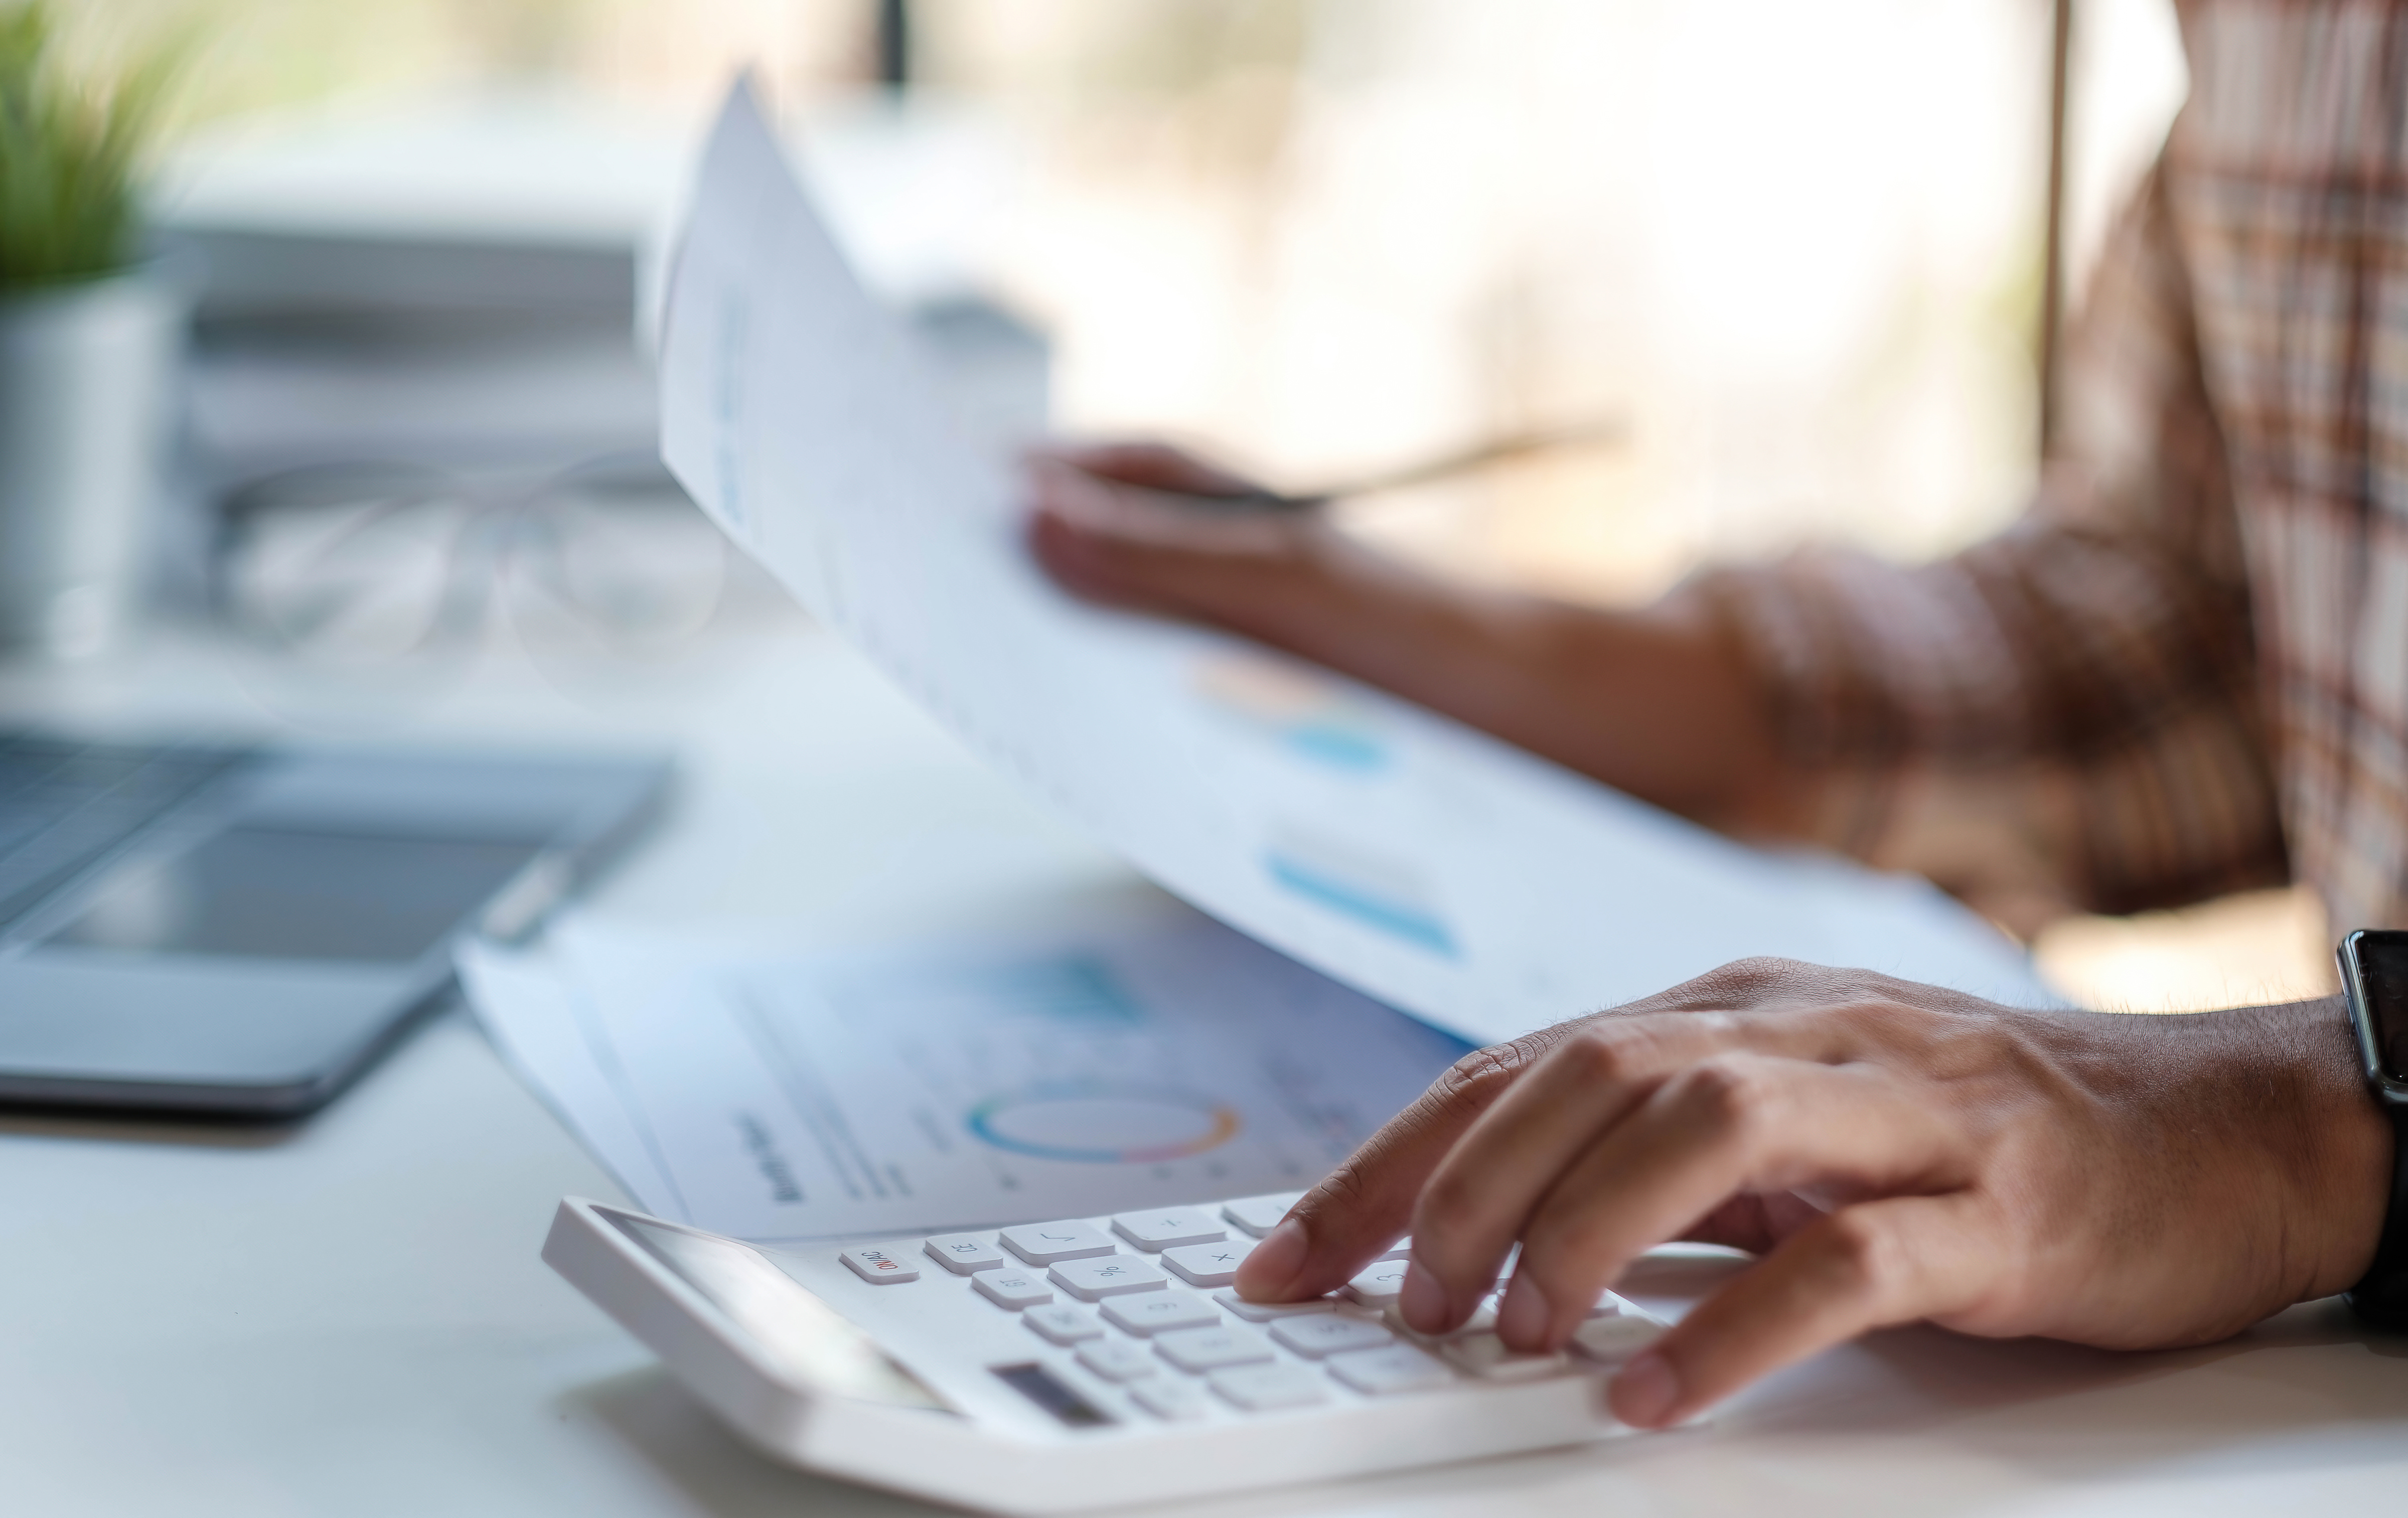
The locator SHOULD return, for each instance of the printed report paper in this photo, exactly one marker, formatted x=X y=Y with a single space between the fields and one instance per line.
x=1437 y=869
x=1130 y=1063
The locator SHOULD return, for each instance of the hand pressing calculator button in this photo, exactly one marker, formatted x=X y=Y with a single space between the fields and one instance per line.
x=1614 y=1338
x=1482 y=1320
x=1125 y=1382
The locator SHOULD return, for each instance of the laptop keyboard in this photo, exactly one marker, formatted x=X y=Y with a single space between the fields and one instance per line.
x=1146 y=1304
x=64 y=806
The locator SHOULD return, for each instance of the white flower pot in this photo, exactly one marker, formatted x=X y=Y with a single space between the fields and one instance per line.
x=86 y=378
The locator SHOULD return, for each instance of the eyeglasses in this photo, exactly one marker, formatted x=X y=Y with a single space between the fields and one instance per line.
x=381 y=564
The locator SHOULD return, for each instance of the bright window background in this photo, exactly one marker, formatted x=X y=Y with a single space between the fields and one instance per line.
x=1795 y=248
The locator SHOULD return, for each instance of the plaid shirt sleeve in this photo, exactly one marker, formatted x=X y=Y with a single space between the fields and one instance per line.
x=2066 y=716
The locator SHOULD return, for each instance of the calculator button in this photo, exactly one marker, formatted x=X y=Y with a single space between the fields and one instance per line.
x=1014 y=1289
x=964 y=1253
x=1617 y=1337
x=1379 y=1285
x=1327 y=1333
x=879 y=1267
x=1154 y=1312
x=1259 y=1215
x=1169 y=1396
x=1208 y=1264
x=1259 y=1388
x=1169 y=1228
x=1212 y=1348
x=1117 y=1359
x=1485 y=1355
x=1609 y=1304
x=1108 y=1275
x=1399 y=1368
x=1209 y=1349
x=1042 y=1243
x=1401 y=1250
x=1272 y=1311
x=1064 y=1323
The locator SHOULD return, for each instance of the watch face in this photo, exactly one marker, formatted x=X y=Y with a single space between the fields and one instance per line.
x=2383 y=970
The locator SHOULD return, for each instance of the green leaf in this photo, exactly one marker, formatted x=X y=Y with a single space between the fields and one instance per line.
x=71 y=151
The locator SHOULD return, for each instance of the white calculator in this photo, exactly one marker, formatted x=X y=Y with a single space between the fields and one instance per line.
x=1084 y=1363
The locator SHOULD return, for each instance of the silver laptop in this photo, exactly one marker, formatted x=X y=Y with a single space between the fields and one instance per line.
x=219 y=929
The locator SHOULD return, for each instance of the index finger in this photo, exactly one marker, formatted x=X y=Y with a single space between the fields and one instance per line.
x=1361 y=1206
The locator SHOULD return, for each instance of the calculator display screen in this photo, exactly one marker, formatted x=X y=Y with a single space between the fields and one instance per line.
x=810 y=1340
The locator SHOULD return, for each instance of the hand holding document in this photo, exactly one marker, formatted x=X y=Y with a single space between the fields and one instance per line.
x=1428 y=865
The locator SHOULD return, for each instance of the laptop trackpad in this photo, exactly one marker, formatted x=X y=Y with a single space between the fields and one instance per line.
x=251 y=972
x=202 y=1033
x=269 y=892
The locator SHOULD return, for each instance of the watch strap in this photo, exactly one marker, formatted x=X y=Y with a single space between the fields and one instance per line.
x=2380 y=1296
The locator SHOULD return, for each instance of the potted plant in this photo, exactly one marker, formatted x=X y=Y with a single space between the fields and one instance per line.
x=90 y=338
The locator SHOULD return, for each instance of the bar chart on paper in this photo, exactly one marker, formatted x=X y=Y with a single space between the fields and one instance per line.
x=954 y=1085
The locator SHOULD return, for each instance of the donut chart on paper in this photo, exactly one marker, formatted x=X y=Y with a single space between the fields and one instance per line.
x=1103 y=1124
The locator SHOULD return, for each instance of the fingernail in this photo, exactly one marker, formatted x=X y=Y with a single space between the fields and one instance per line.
x=1523 y=1317
x=1266 y=1272
x=1643 y=1394
x=1421 y=1302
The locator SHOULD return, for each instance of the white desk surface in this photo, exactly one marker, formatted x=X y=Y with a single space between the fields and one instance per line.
x=348 y=1316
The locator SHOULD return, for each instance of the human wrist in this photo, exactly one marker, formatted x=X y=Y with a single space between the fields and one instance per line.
x=2344 y=1142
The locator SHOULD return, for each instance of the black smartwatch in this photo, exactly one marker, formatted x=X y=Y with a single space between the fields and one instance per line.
x=2375 y=978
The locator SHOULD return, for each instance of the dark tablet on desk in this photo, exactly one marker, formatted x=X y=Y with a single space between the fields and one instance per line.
x=218 y=929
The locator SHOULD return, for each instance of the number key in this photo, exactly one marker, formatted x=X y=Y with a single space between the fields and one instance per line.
x=964 y=1253
x=1154 y=1313
x=1329 y=1334
x=1064 y=1323
x=1013 y=1289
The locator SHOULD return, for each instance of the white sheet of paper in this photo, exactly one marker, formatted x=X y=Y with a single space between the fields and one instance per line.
x=1439 y=869
x=1125 y=1065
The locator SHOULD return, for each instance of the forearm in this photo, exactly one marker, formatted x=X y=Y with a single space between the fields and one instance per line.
x=1658 y=702
x=1662 y=702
